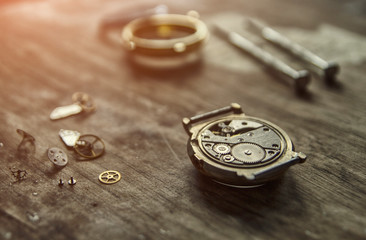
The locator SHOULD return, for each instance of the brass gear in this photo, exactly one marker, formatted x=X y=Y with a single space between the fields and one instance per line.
x=109 y=177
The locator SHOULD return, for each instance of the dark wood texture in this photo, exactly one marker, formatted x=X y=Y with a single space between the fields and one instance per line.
x=51 y=49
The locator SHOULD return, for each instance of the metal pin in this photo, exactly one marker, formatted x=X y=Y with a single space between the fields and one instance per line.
x=327 y=69
x=61 y=183
x=72 y=181
x=298 y=79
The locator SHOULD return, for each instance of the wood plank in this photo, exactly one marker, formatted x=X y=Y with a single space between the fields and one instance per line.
x=51 y=49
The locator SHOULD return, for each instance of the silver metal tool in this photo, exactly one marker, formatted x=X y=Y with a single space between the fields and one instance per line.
x=82 y=102
x=327 y=70
x=298 y=79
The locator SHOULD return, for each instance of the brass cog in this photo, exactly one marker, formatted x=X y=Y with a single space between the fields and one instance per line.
x=109 y=177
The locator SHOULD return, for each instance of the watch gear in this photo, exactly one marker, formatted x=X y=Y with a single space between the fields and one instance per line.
x=248 y=153
x=109 y=177
x=238 y=150
x=221 y=148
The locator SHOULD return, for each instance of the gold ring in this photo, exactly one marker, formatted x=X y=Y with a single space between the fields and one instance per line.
x=164 y=44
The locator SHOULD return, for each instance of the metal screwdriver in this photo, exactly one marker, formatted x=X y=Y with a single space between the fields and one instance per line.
x=298 y=79
x=328 y=70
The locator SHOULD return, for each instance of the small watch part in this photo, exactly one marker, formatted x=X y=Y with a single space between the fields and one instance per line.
x=60 y=183
x=72 y=181
x=109 y=177
x=27 y=146
x=57 y=156
x=238 y=150
x=19 y=174
x=82 y=103
x=69 y=137
x=87 y=146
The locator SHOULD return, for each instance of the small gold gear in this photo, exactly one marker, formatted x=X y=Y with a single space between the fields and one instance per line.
x=109 y=177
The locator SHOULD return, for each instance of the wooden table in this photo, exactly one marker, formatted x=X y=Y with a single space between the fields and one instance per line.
x=51 y=49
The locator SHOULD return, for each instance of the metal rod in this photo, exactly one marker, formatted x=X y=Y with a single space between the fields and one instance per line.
x=328 y=69
x=297 y=79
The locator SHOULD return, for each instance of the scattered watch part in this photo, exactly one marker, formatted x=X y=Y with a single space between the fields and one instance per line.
x=89 y=146
x=57 y=156
x=19 y=174
x=69 y=137
x=109 y=177
x=237 y=150
x=60 y=183
x=27 y=146
x=82 y=103
x=72 y=181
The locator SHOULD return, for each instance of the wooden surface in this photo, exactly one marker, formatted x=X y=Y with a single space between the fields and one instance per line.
x=51 y=49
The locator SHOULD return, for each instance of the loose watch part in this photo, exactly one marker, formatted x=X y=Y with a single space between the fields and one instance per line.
x=87 y=146
x=109 y=177
x=237 y=150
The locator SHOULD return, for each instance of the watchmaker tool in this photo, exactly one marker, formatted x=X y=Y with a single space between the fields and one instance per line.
x=298 y=79
x=82 y=103
x=109 y=177
x=328 y=70
x=237 y=150
x=87 y=146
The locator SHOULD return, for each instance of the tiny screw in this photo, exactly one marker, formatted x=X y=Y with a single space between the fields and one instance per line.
x=72 y=181
x=61 y=183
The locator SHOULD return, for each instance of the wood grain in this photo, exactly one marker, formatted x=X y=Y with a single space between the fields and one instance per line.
x=51 y=49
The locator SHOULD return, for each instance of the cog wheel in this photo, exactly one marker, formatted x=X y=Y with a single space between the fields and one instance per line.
x=249 y=153
x=222 y=148
x=109 y=177
x=89 y=146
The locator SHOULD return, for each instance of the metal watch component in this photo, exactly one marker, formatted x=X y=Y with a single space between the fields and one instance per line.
x=82 y=102
x=27 y=146
x=328 y=70
x=57 y=156
x=72 y=181
x=69 y=137
x=164 y=41
x=18 y=174
x=237 y=150
x=297 y=79
x=109 y=177
x=60 y=183
x=87 y=146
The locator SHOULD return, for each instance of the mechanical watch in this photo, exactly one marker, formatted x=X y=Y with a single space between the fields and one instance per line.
x=238 y=150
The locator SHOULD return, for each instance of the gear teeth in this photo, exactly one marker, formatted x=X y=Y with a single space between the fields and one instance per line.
x=222 y=148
